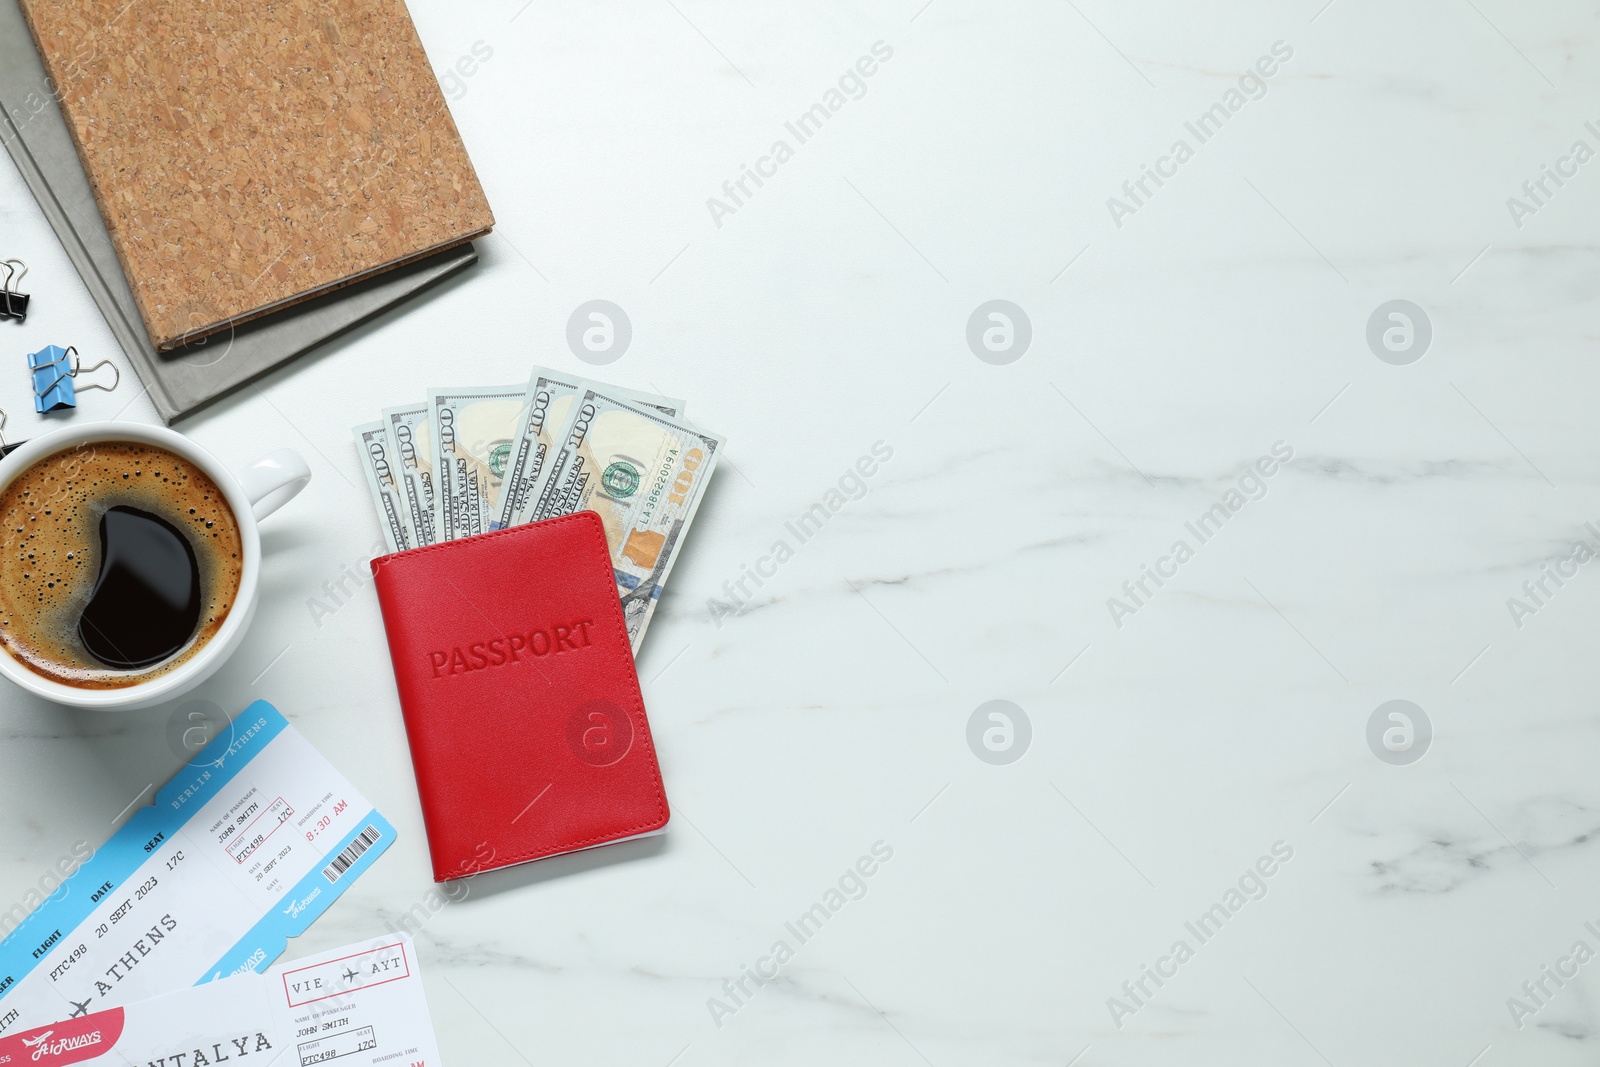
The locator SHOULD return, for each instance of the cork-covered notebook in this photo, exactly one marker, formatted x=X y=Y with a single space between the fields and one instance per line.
x=248 y=154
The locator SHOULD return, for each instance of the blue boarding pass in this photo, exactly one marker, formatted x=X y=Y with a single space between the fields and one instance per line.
x=242 y=850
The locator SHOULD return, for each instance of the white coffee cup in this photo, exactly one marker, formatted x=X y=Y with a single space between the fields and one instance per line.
x=252 y=493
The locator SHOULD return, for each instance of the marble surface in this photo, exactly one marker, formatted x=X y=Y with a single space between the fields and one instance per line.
x=1175 y=740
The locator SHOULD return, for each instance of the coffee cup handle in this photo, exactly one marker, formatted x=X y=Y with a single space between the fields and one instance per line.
x=272 y=481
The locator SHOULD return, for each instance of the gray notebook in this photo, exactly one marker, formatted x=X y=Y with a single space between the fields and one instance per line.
x=186 y=378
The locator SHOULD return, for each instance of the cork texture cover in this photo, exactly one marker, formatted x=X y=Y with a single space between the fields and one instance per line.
x=247 y=154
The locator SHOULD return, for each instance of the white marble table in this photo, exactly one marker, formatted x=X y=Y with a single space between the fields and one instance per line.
x=1178 y=735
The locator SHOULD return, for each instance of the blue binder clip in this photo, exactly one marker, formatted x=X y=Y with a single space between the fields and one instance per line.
x=54 y=370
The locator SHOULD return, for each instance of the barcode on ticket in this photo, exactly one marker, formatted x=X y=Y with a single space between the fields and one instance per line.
x=341 y=863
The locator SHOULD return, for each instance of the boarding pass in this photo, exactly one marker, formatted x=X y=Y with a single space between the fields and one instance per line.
x=358 y=1005
x=242 y=850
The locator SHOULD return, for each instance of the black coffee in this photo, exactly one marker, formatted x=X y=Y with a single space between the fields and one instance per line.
x=118 y=562
x=146 y=603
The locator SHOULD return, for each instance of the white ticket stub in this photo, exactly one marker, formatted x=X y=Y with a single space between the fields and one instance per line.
x=241 y=851
x=362 y=1004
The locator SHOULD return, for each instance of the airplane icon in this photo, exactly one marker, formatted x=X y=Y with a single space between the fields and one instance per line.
x=79 y=1007
x=351 y=975
x=35 y=1042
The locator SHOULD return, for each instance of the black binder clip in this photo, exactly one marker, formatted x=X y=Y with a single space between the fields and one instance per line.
x=13 y=304
x=7 y=448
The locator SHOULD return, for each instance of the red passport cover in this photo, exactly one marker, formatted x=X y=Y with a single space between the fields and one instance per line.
x=521 y=703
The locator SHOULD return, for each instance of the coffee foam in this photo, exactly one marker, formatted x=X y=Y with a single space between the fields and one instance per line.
x=50 y=551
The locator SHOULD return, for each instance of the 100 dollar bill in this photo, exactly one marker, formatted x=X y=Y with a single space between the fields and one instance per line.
x=412 y=436
x=549 y=404
x=473 y=433
x=644 y=473
x=378 y=463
